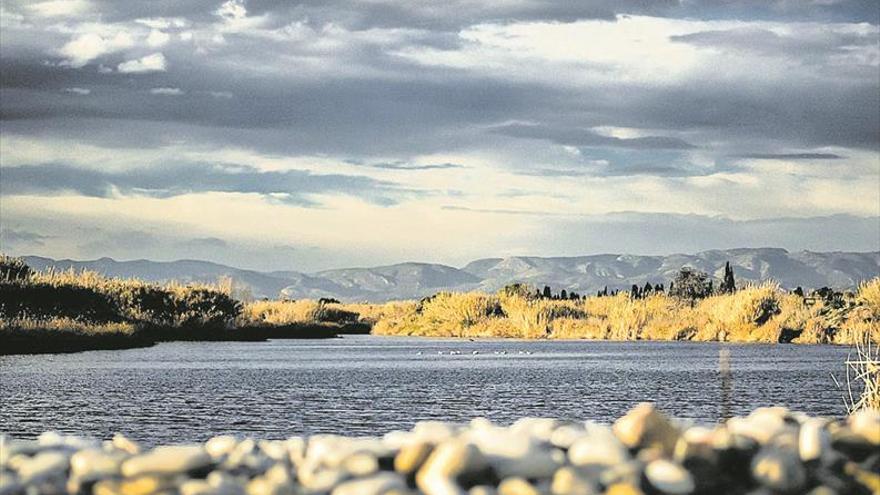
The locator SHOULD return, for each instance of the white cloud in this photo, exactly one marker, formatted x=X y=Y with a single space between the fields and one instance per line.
x=157 y=38
x=78 y=91
x=86 y=47
x=232 y=10
x=57 y=8
x=220 y=94
x=163 y=22
x=167 y=91
x=148 y=63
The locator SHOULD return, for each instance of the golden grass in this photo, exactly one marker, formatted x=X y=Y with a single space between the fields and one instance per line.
x=863 y=377
x=757 y=313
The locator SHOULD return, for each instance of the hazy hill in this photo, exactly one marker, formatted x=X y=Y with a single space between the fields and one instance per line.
x=584 y=274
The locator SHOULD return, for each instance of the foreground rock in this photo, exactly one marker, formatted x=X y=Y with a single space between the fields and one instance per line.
x=771 y=451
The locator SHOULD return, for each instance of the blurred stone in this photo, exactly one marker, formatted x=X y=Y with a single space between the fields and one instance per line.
x=411 y=457
x=167 y=460
x=669 y=477
x=220 y=446
x=569 y=481
x=866 y=423
x=512 y=454
x=644 y=426
x=813 y=440
x=361 y=464
x=377 y=484
x=43 y=466
x=779 y=470
x=599 y=447
x=623 y=489
x=517 y=486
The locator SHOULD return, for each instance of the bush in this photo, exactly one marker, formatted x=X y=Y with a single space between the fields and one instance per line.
x=13 y=269
x=691 y=285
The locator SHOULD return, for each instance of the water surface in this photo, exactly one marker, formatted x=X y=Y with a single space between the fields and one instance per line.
x=189 y=391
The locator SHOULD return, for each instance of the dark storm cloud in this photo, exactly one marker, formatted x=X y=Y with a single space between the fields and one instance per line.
x=586 y=138
x=289 y=186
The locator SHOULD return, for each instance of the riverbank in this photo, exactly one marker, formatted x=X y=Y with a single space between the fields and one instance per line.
x=772 y=450
x=44 y=312
x=52 y=312
x=762 y=313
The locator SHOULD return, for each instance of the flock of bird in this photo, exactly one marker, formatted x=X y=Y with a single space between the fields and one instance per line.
x=458 y=353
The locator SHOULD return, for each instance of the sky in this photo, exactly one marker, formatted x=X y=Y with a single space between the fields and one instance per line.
x=308 y=135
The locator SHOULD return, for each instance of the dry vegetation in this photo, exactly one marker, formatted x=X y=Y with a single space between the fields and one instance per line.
x=82 y=304
x=761 y=313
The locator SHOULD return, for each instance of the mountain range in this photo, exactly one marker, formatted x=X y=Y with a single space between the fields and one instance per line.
x=583 y=274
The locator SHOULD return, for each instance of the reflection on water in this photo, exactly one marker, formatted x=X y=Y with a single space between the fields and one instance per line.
x=369 y=385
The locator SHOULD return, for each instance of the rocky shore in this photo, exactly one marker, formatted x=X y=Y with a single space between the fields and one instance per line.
x=771 y=451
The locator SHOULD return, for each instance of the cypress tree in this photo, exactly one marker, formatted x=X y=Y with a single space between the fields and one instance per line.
x=547 y=293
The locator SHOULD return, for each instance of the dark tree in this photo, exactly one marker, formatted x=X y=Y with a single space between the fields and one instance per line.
x=547 y=293
x=563 y=295
x=691 y=285
x=728 y=284
x=634 y=292
x=799 y=291
x=658 y=288
x=647 y=289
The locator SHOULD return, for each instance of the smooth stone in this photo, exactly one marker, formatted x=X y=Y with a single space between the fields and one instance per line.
x=517 y=486
x=538 y=428
x=623 y=489
x=434 y=431
x=483 y=490
x=377 y=484
x=866 y=423
x=566 y=435
x=411 y=457
x=321 y=479
x=195 y=487
x=123 y=443
x=448 y=462
x=813 y=440
x=9 y=483
x=43 y=466
x=644 y=426
x=568 y=480
x=224 y=483
x=599 y=447
x=275 y=450
x=695 y=442
x=761 y=426
x=277 y=480
x=627 y=473
x=143 y=485
x=92 y=465
x=669 y=477
x=361 y=464
x=779 y=470
x=167 y=460
x=512 y=454
x=220 y=446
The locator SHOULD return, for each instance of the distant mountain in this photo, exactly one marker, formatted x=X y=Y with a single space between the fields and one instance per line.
x=584 y=274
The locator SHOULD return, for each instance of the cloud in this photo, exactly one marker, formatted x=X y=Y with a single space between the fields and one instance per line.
x=78 y=91
x=410 y=166
x=569 y=136
x=166 y=91
x=148 y=63
x=792 y=156
x=157 y=38
x=294 y=187
x=88 y=46
x=57 y=8
x=12 y=238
